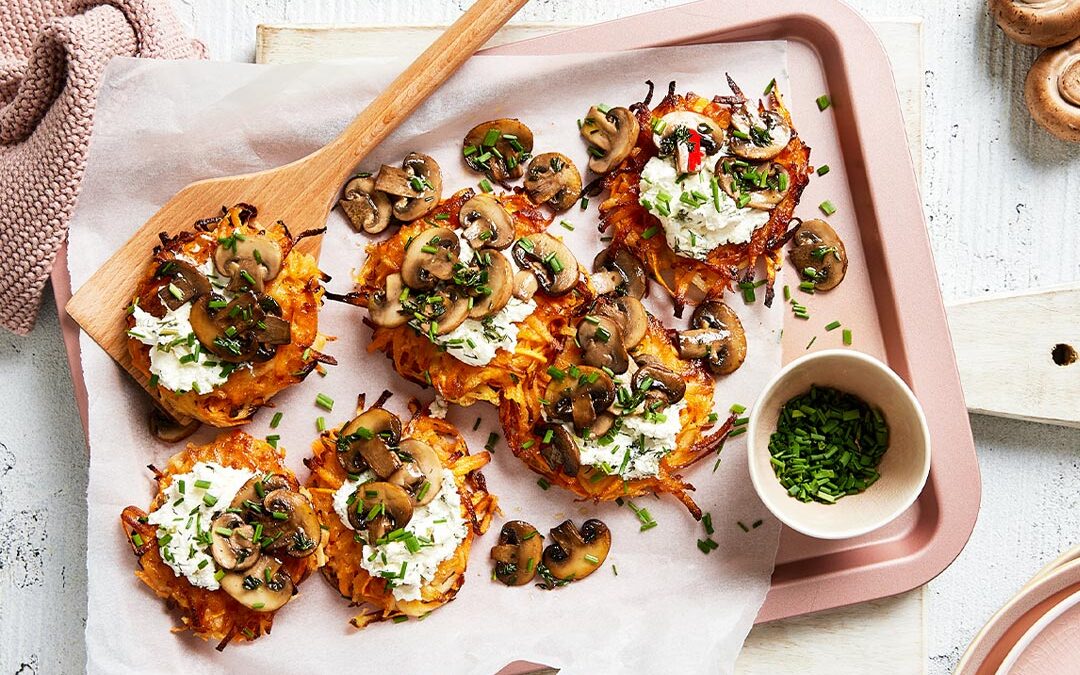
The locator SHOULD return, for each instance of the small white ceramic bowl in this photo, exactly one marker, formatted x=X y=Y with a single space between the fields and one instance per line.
x=903 y=468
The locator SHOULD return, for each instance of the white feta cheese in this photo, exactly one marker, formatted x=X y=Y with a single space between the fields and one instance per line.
x=439 y=527
x=180 y=363
x=192 y=501
x=694 y=231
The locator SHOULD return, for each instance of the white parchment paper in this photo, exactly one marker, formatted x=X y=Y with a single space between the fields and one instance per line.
x=669 y=608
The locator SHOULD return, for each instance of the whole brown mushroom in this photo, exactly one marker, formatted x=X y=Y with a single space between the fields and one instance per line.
x=518 y=553
x=575 y=554
x=1042 y=23
x=553 y=179
x=1052 y=90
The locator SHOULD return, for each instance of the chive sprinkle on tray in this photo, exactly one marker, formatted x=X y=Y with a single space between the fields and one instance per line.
x=827 y=445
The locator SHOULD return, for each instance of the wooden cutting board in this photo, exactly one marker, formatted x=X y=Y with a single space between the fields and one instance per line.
x=886 y=635
x=1006 y=346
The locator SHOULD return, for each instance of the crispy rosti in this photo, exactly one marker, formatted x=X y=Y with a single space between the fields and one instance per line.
x=212 y=614
x=630 y=224
x=523 y=421
x=178 y=274
x=345 y=547
x=416 y=357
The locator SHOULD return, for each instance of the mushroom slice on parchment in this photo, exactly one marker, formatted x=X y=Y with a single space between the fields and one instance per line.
x=498 y=148
x=818 y=254
x=553 y=179
x=264 y=588
x=611 y=133
x=517 y=553
x=579 y=398
x=716 y=334
x=367 y=209
x=421 y=472
x=232 y=543
x=759 y=186
x=758 y=136
x=414 y=189
x=380 y=508
x=575 y=554
x=430 y=258
x=623 y=272
x=601 y=342
x=485 y=223
x=497 y=276
x=366 y=441
x=248 y=261
x=385 y=307
x=559 y=448
x=554 y=266
x=289 y=523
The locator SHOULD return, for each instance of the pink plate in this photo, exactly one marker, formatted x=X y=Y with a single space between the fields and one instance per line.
x=1035 y=633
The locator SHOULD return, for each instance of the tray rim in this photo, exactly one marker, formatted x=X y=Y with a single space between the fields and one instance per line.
x=935 y=373
x=839 y=34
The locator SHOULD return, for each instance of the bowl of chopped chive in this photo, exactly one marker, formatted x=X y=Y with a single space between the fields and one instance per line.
x=838 y=445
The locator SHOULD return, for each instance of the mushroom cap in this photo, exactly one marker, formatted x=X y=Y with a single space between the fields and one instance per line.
x=1052 y=89
x=289 y=520
x=185 y=283
x=575 y=554
x=602 y=346
x=365 y=442
x=553 y=179
x=443 y=309
x=655 y=377
x=504 y=158
x=384 y=306
x=249 y=261
x=554 y=266
x=525 y=285
x=265 y=587
x=718 y=333
x=423 y=468
x=367 y=209
x=758 y=135
x=1042 y=23
x=485 y=222
x=620 y=260
x=628 y=312
x=561 y=452
x=517 y=553
x=241 y=330
x=430 y=257
x=579 y=398
x=610 y=135
x=764 y=184
x=249 y=498
x=497 y=275
x=414 y=189
x=232 y=543
x=380 y=507
x=816 y=246
x=683 y=131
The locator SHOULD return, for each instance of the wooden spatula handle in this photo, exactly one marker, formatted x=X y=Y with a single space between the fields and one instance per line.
x=330 y=166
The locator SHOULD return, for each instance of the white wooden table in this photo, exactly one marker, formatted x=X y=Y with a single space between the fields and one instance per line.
x=1001 y=200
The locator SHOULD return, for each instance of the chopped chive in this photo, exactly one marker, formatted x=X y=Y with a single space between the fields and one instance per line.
x=737 y=431
x=400 y=619
x=543 y=483
x=833 y=326
x=567 y=225
x=811 y=343
x=706 y=521
x=276 y=420
x=770 y=87
x=485 y=185
x=827 y=207
x=650 y=232
x=273 y=440
x=847 y=336
x=324 y=402
x=320 y=423
x=823 y=169
x=742 y=526
x=823 y=102
x=737 y=409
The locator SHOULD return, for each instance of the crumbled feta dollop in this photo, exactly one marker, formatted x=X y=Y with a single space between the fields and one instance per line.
x=477 y=341
x=705 y=219
x=192 y=501
x=435 y=531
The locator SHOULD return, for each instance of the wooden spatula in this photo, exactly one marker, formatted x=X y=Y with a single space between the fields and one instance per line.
x=301 y=193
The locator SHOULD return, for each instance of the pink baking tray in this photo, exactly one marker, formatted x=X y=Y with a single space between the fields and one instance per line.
x=890 y=298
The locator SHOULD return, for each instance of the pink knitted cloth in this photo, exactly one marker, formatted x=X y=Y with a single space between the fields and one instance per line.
x=52 y=55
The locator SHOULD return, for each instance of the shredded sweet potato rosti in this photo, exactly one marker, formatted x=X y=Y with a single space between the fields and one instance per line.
x=688 y=279
x=297 y=289
x=418 y=359
x=520 y=415
x=210 y=615
x=344 y=552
